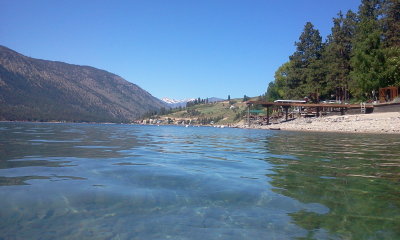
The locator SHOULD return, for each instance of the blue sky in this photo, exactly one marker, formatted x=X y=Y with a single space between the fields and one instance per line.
x=171 y=48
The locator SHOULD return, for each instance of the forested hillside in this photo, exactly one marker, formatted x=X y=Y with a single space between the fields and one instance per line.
x=361 y=54
x=38 y=90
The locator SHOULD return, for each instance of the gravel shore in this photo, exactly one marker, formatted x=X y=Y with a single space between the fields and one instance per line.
x=388 y=122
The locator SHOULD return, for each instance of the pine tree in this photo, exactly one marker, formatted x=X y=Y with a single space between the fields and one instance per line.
x=272 y=92
x=301 y=80
x=361 y=55
x=391 y=41
x=368 y=59
x=391 y=23
x=279 y=88
x=337 y=55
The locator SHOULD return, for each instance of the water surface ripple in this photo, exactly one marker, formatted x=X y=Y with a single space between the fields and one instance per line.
x=84 y=181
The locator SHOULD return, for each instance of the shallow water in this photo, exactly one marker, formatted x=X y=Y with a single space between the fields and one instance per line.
x=82 y=181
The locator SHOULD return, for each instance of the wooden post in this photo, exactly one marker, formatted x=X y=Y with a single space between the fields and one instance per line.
x=317 y=111
x=286 y=113
x=267 y=115
x=248 y=115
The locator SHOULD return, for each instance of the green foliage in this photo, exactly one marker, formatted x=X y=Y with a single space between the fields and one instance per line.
x=368 y=59
x=196 y=102
x=272 y=92
x=390 y=23
x=304 y=73
x=305 y=76
x=218 y=112
x=391 y=72
x=337 y=54
x=192 y=112
x=368 y=65
x=391 y=42
x=279 y=88
x=359 y=56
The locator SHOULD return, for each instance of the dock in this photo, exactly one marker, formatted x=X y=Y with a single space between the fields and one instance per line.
x=309 y=109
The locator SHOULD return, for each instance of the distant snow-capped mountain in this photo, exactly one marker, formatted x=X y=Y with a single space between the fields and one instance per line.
x=173 y=103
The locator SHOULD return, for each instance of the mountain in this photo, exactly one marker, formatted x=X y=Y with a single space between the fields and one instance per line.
x=39 y=90
x=173 y=103
x=214 y=99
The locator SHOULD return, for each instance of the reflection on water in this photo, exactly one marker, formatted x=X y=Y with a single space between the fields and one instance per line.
x=81 y=181
x=356 y=177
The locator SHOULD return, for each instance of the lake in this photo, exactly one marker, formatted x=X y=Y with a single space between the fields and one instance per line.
x=105 y=181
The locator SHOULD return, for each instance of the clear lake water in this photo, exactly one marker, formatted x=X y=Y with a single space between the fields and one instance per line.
x=110 y=181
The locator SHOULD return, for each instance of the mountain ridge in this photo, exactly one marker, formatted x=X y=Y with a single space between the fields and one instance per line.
x=174 y=103
x=41 y=90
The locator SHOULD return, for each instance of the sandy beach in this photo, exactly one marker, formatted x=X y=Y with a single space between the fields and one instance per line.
x=388 y=122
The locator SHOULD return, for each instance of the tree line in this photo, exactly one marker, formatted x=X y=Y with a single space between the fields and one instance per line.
x=196 y=102
x=359 y=56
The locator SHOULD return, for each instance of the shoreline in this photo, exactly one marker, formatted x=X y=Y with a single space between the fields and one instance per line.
x=376 y=123
x=373 y=123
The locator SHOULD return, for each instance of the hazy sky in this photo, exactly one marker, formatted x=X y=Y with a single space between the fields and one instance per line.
x=171 y=48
